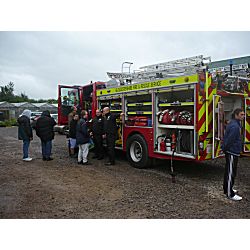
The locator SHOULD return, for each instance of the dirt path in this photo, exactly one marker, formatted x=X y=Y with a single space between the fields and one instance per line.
x=62 y=189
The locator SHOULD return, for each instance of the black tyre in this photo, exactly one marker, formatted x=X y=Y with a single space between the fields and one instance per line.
x=137 y=152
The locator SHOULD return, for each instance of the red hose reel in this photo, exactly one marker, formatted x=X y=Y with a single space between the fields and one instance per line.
x=175 y=117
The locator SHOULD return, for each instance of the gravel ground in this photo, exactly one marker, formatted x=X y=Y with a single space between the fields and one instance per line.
x=63 y=189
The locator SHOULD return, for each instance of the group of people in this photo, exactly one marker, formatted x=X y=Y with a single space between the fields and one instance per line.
x=104 y=126
x=44 y=130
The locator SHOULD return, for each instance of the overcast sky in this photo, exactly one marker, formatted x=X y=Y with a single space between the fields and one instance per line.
x=38 y=61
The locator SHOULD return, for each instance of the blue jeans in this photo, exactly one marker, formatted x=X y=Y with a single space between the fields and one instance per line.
x=26 y=144
x=46 y=148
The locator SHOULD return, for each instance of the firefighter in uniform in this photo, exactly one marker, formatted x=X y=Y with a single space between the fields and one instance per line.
x=110 y=133
x=98 y=132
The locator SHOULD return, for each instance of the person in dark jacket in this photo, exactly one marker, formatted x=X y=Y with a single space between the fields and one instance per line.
x=232 y=146
x=72 y=134
x=25 y=132
x=45 y=131
x=98 y=132
x=110 y=133
x=82 y=139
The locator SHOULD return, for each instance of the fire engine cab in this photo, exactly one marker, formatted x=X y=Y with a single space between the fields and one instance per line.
x=173 y=110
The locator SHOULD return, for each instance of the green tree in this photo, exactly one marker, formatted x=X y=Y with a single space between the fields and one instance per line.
x=52 y=101
x=7 y=92
x=41 y=100
x=24 y=97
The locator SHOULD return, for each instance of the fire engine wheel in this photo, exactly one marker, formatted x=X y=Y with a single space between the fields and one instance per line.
x=137 y=152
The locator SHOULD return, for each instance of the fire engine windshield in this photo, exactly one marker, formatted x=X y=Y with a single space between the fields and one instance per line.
x=69 y=97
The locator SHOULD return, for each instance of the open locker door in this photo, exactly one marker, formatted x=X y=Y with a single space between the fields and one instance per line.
x=246 y=147
x=218 y=126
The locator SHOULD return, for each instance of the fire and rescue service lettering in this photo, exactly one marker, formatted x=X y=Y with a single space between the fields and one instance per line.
x=147 y=85
x=138 y=86
x=150 y=85
x=125 y=88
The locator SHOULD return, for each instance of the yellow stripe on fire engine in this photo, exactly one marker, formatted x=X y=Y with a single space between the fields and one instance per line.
x=210 y=115
x=140 y=113
x=247 y=146
x=139 y=104
x=217 y=153
x=201 y=111
x=148 y=85
x=204 y=109
x=202 y=129
x=115 y=104
x=176 y=104
x=207 y=85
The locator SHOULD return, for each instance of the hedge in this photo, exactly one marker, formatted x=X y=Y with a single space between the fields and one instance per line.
x=8 y=123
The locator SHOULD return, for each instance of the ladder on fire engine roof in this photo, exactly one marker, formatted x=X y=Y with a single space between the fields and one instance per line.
x=181 y=67
x=238 y=70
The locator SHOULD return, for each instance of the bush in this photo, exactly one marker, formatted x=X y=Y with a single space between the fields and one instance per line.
x=8 y=123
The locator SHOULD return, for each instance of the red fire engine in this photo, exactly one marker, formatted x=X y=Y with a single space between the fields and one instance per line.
x=174 y=110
